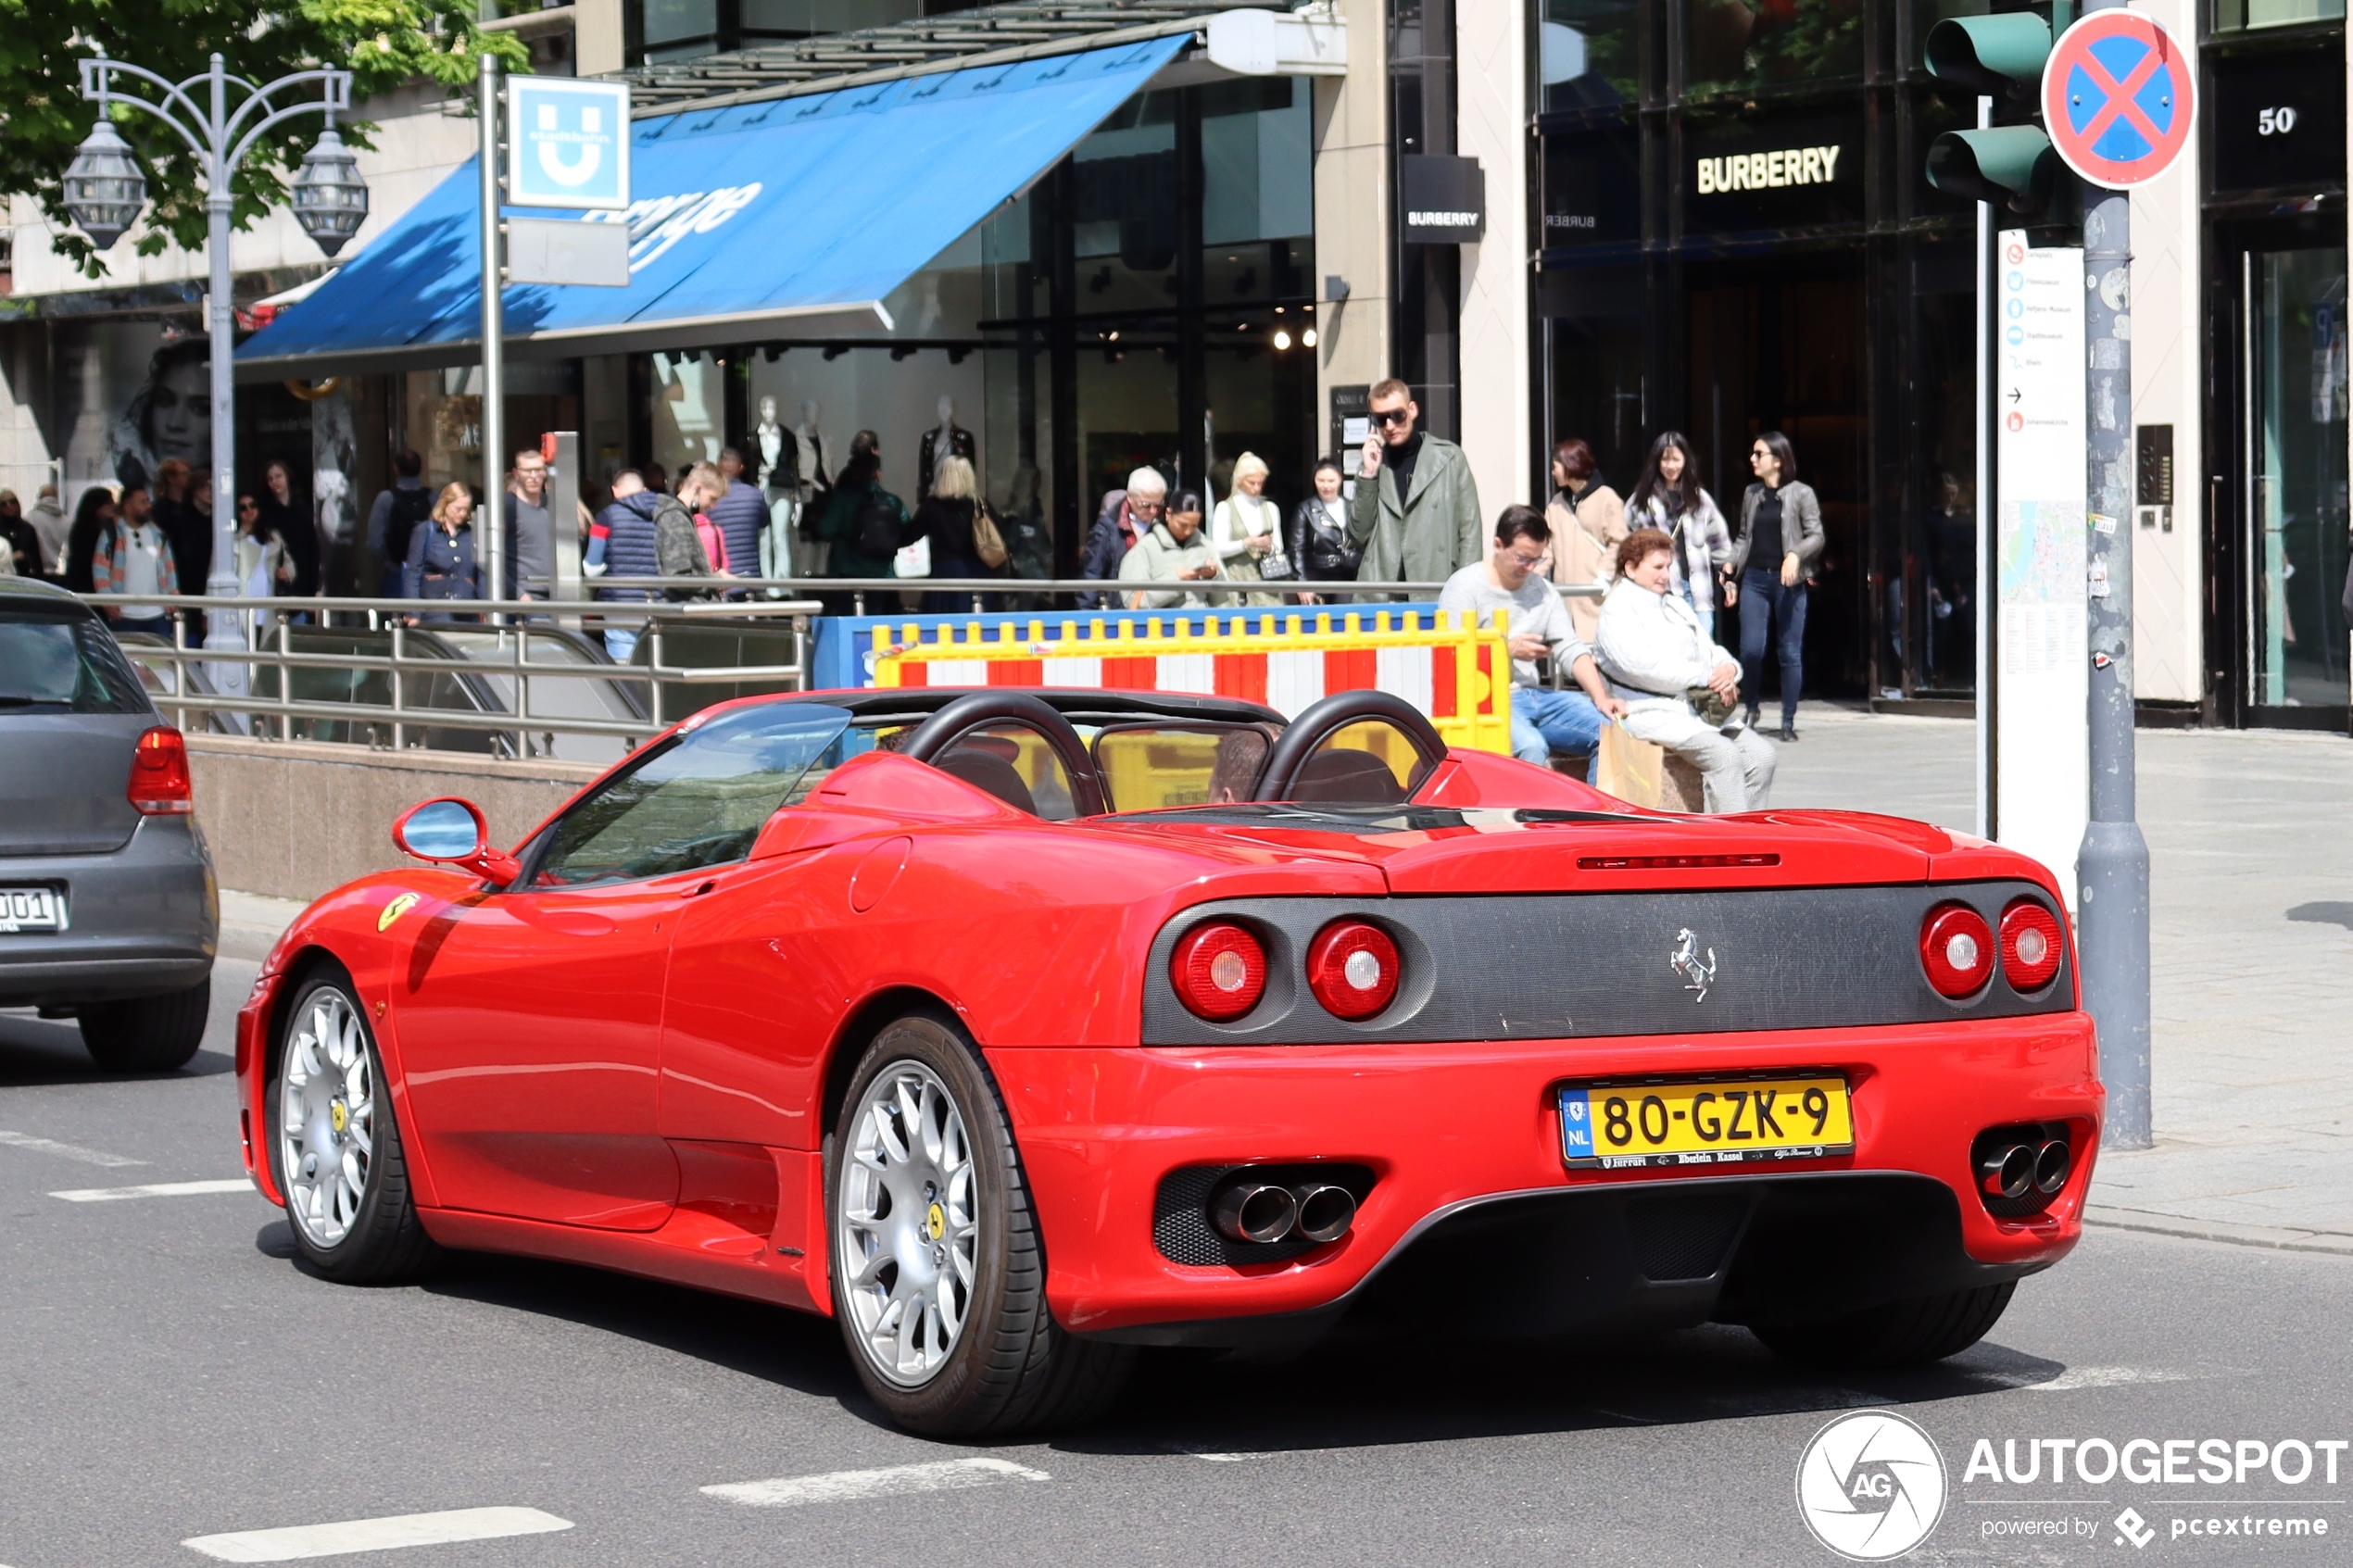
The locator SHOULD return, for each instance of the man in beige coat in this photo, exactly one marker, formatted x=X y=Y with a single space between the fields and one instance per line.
x=1416 y=510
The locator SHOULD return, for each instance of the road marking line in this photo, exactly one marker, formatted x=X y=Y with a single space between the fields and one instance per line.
x=842 y=1486
x=65 y=1150
x=154 y=1189
x=2104 y=1377
x=300 y=1541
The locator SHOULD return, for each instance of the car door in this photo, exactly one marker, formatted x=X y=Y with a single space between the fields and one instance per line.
x=531 y=1034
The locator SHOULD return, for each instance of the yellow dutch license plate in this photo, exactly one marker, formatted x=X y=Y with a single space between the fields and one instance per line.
x=1715 y=1122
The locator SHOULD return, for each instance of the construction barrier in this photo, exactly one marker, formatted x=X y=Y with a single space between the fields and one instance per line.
x=842 y=646
x=1443 y=664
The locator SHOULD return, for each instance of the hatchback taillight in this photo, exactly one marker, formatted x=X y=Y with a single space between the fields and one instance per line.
x=1218 y=970
x=1352 y=968
x=1956 y=948
x=2031 y=945
x=159 y=783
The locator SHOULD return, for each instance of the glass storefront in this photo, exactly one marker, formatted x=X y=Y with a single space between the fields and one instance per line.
x=1148 y=300
x=2279 y=652
x=1737 y=237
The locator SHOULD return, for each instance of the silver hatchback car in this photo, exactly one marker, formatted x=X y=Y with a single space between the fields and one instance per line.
x=108 y=912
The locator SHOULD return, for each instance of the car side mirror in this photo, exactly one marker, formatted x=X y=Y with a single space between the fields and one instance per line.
x=452 y=831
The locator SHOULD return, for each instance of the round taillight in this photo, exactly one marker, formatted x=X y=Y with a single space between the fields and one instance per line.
x=1219 y=971
x=2031 y=945
x=1956 y=948
x=1351 y=967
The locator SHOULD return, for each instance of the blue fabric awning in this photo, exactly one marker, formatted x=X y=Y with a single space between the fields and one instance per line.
x=743 y=217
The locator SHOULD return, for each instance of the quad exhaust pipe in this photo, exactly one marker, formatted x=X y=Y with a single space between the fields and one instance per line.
x=2011 y=1170
x=1264 y=1213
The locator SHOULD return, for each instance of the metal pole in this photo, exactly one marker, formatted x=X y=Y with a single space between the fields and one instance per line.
x=493 y=526
x=224 y=630
x=2112 y=870
x=1982 y=501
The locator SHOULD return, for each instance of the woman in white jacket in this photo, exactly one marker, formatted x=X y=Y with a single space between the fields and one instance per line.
x=1665 y=669
x=1247 y=528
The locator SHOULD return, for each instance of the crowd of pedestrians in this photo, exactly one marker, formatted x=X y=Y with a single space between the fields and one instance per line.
x=1660 y=580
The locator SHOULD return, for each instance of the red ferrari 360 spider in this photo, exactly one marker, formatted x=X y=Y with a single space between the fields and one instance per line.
x=1018 y=1030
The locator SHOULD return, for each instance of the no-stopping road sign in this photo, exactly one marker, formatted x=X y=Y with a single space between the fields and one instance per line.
x=2119 y=97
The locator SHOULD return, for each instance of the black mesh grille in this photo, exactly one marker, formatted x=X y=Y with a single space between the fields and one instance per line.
x=1684 y=1235
x=1180 y=1212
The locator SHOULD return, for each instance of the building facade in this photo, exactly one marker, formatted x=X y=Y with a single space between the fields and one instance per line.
x=1699 y=216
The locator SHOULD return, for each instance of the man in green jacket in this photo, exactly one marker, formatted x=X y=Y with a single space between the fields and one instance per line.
x=1416 y=510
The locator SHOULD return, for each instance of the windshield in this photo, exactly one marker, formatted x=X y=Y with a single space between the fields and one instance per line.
x=65 y=664
x=699 y=799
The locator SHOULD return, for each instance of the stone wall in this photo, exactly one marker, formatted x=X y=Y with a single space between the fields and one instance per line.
x=294 y=818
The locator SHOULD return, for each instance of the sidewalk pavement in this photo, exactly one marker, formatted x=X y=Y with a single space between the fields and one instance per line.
x=2250 y=947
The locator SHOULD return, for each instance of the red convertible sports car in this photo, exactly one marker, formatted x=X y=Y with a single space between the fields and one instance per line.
x=1019 y=1030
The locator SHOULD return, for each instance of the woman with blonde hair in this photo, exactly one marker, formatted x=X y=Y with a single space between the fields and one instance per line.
x=1245 y=531
x=441 y=555
x=945 y=517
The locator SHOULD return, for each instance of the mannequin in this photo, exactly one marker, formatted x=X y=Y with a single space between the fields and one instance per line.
x=779 y=453
x=939 y=442
x=809 y=555
x=780 y=479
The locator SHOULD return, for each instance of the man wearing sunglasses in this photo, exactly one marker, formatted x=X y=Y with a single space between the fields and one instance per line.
x=1416 y=510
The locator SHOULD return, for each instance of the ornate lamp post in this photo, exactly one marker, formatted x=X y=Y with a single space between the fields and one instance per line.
x=105 y=190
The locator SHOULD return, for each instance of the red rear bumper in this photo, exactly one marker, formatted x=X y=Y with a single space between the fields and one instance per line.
x=1448 y=1125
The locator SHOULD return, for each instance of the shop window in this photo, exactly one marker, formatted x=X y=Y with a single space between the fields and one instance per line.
x=1257 y=179
x=1734 y=47
x=2230 y=16
x=678 y=30
x=1588 y=53
x=1593 y=189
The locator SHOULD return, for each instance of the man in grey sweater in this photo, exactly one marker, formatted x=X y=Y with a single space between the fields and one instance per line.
x=1540 y=631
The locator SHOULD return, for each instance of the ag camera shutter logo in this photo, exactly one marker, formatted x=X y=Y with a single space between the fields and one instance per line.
x=1871 y=1485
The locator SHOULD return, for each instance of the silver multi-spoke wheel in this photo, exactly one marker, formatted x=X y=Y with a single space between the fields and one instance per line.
x=909 y=1226
x=326 y=1117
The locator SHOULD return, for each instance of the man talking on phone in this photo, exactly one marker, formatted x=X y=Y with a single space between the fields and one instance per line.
x=1416 y=510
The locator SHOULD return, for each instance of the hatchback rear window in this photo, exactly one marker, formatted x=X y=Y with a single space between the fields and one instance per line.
x=63 y=664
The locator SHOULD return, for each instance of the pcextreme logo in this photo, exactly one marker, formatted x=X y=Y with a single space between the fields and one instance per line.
x=1871 y=1485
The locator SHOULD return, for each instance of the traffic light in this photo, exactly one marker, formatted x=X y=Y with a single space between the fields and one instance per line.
x=2011 y=165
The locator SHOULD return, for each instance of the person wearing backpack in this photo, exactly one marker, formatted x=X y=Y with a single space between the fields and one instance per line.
x=684 y=534
x=394 y=518
x=865 y=523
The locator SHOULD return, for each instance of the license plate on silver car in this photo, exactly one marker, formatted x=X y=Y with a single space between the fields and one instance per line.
x=32 y=909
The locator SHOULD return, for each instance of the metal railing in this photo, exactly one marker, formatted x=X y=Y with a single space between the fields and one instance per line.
x=205 y=681
x=221 y=683
x=878 y=595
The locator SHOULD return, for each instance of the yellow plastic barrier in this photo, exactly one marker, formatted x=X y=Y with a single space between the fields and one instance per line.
x=1443 y=663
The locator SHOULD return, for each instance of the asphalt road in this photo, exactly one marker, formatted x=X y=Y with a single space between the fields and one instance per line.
x=169 y=1374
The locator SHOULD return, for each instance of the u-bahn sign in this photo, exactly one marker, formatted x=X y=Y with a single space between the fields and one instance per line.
x=2118 y=98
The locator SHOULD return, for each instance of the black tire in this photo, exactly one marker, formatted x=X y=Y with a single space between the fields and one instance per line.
x=146 y=1034
x=1926 y=1328
x=379 y=1240
x=1011 y=1368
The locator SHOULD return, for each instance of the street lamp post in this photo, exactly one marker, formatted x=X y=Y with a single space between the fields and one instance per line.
x=105 y=190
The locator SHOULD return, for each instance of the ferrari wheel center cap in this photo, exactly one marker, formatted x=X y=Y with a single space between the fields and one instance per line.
x=934 y=1223
x=338 y=1117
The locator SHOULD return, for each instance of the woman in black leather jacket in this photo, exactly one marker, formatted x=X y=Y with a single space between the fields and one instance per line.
x=1317 y=537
